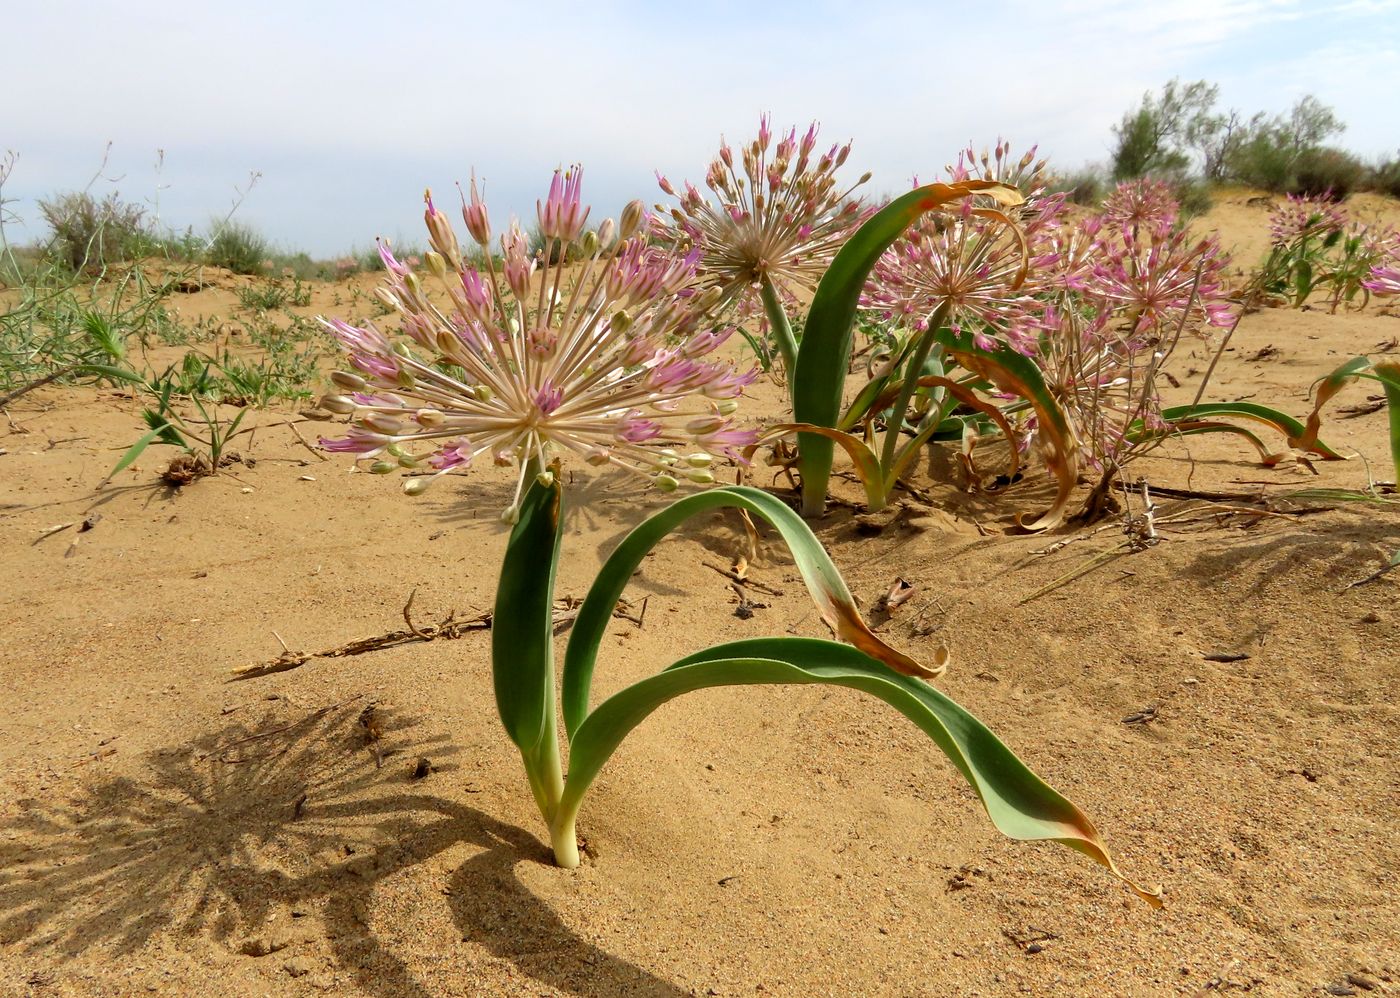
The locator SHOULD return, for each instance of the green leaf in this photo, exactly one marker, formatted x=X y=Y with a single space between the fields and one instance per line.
x=112 y=373
x=522 y=633
x=1302 y=281
x=824 y=582
x=1019 y=803
x=1304 y=438
x=1388 y=374
x=819 y=376
x=135 y=450
x=165 y=430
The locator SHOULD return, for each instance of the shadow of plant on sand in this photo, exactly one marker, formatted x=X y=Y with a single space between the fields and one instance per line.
x=290 y=816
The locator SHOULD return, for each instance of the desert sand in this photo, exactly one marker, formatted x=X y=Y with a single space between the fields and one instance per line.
x=1223 y=705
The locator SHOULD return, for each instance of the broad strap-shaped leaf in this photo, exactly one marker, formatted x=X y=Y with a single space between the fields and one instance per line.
x=1299 y=436
x=819 y=375
x=1020 y=804
x=1326 y=388
x=1388 y=374
x=1016 y=374
x=522 y=636
x=828 y=590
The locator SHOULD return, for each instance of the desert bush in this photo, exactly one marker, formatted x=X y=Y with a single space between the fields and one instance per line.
x=237 y=247
x=266 y=296
x=1152 y=139
x=1193 y=198
x=88 y=234
x=1384 y=177
x=1327 y=172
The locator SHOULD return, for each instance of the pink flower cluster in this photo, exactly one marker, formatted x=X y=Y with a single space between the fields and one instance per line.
x=530 y=360
x=1298 y=218
x=778 y=217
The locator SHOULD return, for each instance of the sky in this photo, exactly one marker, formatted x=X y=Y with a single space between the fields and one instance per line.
x=349 y=110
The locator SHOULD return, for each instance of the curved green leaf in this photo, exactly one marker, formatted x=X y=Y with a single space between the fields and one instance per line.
x=819 y=376
x=1298 y=435
x=833 y=600
x=1019 y=803
x=1388 y=374
x=522 y=634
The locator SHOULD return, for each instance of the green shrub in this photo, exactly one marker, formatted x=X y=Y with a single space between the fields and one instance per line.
x=89 y=234
x=1331 y=172
x=1085 y=187
x=1384 y=178
x=238 y=248
x=1193 y=198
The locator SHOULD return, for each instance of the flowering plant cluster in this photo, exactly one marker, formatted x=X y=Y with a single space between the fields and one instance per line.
x=530 y=363
x=1317 y=244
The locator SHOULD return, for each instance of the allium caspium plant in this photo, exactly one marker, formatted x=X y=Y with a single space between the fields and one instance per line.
x=774 y=226
x=1316 y=244
x=531 y=368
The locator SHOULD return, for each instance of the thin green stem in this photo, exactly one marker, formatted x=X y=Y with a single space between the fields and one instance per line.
x=782 y=329
x=912 y=367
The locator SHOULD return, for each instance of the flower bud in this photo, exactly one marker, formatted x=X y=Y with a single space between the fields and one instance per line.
x=665 y=483
x=429 y=419
x=349 y=382
x=383 y=467
x=597 y=456
x=704 y=424
x=606 y=232
x=545 y=478
x=338 y=404
x=437 y=264
x=701 y=476
x=510 y=515
x=590 y=243
x=631 y=219
x=409 y=462
x=382 y=422
x=699 y=460
x=727 y=407
x=417 y=486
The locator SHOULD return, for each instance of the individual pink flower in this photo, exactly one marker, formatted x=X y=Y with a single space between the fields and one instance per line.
x=1383 y=281
x=524 y=366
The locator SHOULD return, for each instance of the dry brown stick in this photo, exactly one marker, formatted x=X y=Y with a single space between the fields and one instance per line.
x=313 y=450
x=447 y=629
x=734 y=577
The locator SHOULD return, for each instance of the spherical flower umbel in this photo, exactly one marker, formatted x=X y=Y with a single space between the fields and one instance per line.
x=1143 y=202
x=1305 y=217
x=779 y=217
x=522 y=366
x=977 y=264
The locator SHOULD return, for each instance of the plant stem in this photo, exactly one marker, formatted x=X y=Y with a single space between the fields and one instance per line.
x=915 y=364
x=782 y=329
